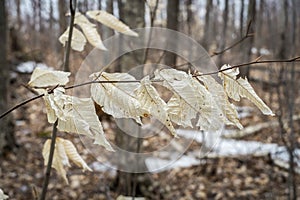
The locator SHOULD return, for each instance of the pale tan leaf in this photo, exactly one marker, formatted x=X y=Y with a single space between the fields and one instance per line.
x=78 y=39
x=2 y=195
x=153 y=104
x=180 y=112
x=58 y=158
x=117 y=99
x=75 y=115
x=90 y=31
x=111 y=21
x=230 y=115
x=236 y=88
x=47 y=78
x=74 y=156
x=192 y=96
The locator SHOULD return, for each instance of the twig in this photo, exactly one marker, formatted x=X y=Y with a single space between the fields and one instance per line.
x=295 y=59
x=49 y=164
x=247 y=35
x=68 y=46
x=54 y=132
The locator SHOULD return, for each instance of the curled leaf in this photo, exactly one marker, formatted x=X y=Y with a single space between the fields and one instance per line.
x=117 y=99
x=90 y=31
x=78 y=39
x=153 y=104
x=236 y=88
x=75 y=115
x=192 y=96
x=73 y=155
x=63 y=151
x=47 y=78
x=111 y=21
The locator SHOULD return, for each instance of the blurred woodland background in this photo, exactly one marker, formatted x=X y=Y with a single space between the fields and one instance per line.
x=232 y=31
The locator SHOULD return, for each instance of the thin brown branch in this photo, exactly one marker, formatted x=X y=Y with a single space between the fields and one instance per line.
x=295 y=59
x=49 y=164
x=231 y=46
x=54 y=132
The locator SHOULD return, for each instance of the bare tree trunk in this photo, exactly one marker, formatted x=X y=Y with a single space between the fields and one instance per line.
x=62 y=8
x=292 y=94
x=259 y=21
x=19 y=21
x=190 y=15
x=207 y=27
x=41 y=25
x=242 y=17
x=223 y=34
x=248 y=44
x=172 y=23
x=132 y=12
x=107 y=32
x=51 y=18
x=99 y=4
x=7 y=140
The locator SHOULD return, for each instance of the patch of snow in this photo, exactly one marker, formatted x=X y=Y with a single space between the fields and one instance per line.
x=29 y=66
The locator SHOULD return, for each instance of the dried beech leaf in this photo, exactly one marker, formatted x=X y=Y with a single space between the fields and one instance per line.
x=57 y=162
x=153 y=104
x=192 y=96
x=47 y=78
x=90 y=31
x=236 y=88
x=78 y=39
x=111 y=21
x=73 y=155
x=117 y=99
x=2 y=195
x=228 y=110
x=75 y=115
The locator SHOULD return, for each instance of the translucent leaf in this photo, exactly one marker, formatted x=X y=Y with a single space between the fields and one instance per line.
x=180 y=112
x=236 y=88
x=228 y=110
x=111 y=21
x=153 y=104
x=46 y=78
x=192 y=96
x=75 y=115
x=73 y=155
x=117 y=99
x=90 y=31
x=78 y=39
x=63 y=151
x=2 y=195
x=58 y=158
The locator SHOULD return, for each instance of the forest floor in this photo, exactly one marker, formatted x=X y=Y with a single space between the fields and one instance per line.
x=243 y=177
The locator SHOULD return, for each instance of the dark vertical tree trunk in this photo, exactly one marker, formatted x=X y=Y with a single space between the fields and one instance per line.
x=7 y=140
x=99 y=4
x=41 y=25
x=62 y=8
x=107 y=32
x=51 y=18
x=223 y=38
x=172 y=23
x=132 y=12
x=19 y=21
x=242 y=17
x=259 y=21
x=207 y=27
x=248 y=44
x=190 y=15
